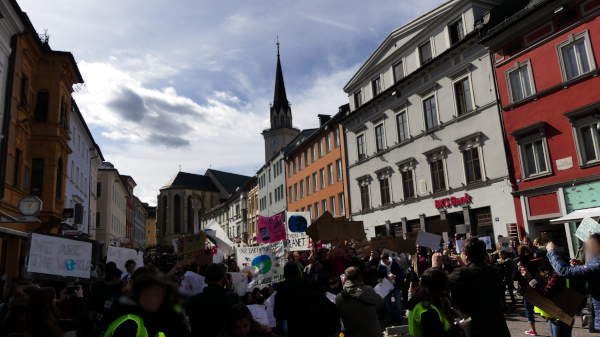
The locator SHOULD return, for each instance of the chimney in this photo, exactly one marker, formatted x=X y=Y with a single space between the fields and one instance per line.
x=323 y=119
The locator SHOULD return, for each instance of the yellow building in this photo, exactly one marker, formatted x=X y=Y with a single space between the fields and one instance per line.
x=36 y=133
x=150 y=226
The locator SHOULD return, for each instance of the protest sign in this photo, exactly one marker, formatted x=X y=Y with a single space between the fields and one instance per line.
x=504 y=243
x=218 y=236
x=330 y=296
x=192 y=244
x=408 y=246
x=587 y=227
x=270 y=306
x=386 y=242
x=239 y=282
x=259 y=313
x=266 y=259
x=429 y=240
x=488 y=242
x=59 y=256
x=460 y=244
x=192 y=284
x=563 y=304
x=384 y=287
x=270 y=229
x=297 y=223
x=120 y=255
x=329 y=229
x=462 y=229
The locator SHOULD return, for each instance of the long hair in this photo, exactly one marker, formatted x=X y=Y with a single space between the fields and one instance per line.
x=433 y=287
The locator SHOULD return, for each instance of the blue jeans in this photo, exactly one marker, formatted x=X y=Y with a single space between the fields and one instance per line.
x=529 y=311
x=559 y=329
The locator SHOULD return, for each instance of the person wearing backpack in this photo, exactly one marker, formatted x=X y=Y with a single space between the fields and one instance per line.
x=358 y=304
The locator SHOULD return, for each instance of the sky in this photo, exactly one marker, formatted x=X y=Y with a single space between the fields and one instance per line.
x=186 y=84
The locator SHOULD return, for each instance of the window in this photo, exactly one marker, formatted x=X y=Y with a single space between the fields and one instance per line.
x=462 y=94
x=360 y=147
x=322 y=178
x=472 y=165
x=309 y=209
x=23 y=93
x=299 y=162
x=330 y=174
x=341 y=203
x=384 y=187
x=379 y=138
x=41 y=106
x=357 y=99
x=364 y=197
x=314 y=182
x=398 y=70
x=289 y=193
x=37 y=176
x=294 y=167
x=17 y=167
x=438 y=180
x=336 y=138
x=338 y=166
x=295 y=192
x=576 y=57
x=519 y=82
x=425 y=53
x=312 y=153
x=332 y=206
x=534 y=157
x=376 y=86
x=270 y=198
x=320 y=144
x=301 y=189
x=588 y=137
x=402 y=126
x=308 y=185
x=408 y=184
x=456 y=31
x=430 y=111
x=316 y=209
x=98 y=220
x=327 y=143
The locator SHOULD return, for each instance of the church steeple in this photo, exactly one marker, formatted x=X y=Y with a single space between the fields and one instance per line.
x=281 y=114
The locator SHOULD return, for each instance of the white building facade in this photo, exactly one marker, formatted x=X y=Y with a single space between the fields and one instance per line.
x=425 y=145
x=112 y=207
x=271 y=187
x=83 y=162
x=139 y=223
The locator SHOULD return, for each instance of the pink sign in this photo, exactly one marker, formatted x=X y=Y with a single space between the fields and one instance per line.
x=270 y=229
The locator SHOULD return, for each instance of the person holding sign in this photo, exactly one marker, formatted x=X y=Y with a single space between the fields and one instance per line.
x=589 y=272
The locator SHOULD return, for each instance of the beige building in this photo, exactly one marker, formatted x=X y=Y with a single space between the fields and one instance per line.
x=111 y=208
x=252 y=213
x=150 y=226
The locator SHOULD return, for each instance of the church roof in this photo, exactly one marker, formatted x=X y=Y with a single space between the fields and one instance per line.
x=184 y=180
x=229 y=181
x=279 y=97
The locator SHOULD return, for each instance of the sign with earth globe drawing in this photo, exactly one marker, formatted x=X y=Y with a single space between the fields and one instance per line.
x=296 y=225
x=263 y=263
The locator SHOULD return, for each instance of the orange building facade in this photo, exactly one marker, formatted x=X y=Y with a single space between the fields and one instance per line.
x=36 y=133
x=316 y=171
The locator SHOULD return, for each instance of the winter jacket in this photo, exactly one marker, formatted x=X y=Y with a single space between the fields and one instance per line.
x=208 y=311
x=478 y=291
x=358 y=305
x=590 y=272
x=394 y=268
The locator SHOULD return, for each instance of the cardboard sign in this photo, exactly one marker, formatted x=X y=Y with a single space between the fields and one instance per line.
x=408 y=246
x=267 y=260
x=488 y=242
x=239 y=281
x=296 y=225
x=120 y=255
x=59 y=256
x=587 y=227
x=386 y=242
x=429 y=240
x=564 y=304
x=270 y=229
x=329 y=229
x=192 y=244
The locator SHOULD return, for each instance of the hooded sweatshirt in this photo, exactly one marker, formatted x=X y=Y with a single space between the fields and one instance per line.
x=358 y=305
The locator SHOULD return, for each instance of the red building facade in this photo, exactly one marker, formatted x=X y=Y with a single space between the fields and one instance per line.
x=546 y=56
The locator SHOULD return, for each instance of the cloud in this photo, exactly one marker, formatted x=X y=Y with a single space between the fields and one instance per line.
x=332 y=23
x=168 y=140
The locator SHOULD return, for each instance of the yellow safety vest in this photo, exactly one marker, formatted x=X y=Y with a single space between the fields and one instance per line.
x=544 y=314
x=415 y=329
x=141 y=329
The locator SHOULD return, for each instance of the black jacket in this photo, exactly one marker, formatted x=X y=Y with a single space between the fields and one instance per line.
x=209 y=310
x=478 y=291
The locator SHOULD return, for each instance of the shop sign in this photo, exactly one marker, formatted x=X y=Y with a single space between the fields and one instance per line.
x=453 y=201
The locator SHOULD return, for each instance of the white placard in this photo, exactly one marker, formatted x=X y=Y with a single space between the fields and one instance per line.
x=120 y=255
x=460 y=244
x=488 y=242
x=270 y=306
x=296 y=224
x=587 y=227
x=59 y=256
x=268 y=260
x=239 y=281
x=429 y=240
x=330 y=297
x=259 y=313
x=192 y=284
x=384 y=287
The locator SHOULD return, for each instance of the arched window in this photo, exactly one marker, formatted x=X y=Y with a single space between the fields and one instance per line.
x=190 y=216
x=177 y=214
x=59 y=179
x=163 y=222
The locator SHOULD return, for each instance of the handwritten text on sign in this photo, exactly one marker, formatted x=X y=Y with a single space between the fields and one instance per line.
x=58 y=256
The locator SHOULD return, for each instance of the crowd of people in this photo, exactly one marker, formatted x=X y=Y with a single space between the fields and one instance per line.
x=325 y=292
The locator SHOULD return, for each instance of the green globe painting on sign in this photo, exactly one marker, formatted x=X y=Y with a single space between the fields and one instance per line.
x=263 y=263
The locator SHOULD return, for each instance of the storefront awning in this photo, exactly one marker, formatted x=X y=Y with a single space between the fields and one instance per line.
x=579 y=215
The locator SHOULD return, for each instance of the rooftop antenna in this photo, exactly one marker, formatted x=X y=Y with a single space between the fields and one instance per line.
x=179 y=167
